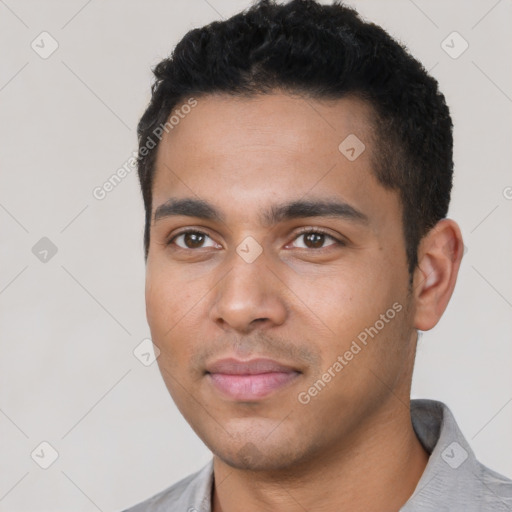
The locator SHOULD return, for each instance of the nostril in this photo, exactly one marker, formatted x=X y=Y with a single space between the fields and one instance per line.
x=259 y=320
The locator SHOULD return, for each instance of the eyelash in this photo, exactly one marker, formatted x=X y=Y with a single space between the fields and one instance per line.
x=303 y=231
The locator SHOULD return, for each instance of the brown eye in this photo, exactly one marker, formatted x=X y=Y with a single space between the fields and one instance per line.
x=191 y=240
x=315 y=240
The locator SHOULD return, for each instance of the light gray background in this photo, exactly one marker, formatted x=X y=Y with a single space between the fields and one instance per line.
x=69 y=325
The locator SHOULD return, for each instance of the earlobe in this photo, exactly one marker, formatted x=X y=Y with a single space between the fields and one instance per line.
x=439 y=257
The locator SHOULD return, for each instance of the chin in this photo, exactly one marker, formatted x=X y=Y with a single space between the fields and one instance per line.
x=255 y=457
x=250 y=458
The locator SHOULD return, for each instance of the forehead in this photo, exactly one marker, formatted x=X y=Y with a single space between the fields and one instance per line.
x=241 y=153
x=220 y=122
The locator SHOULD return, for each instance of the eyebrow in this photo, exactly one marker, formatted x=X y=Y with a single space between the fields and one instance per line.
x=297 y=209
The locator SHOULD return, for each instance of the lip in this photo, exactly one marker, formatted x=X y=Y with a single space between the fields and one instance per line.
x=249 y=380
x=232 y=366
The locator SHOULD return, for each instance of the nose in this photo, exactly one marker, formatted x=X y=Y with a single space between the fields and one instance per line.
x=249 y=296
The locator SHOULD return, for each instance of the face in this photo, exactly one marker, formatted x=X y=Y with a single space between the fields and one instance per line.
x=277 y=281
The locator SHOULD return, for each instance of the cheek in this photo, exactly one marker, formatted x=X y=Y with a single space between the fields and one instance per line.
x=349 y=303
x=158 y=304
x=174 y=311
x=168 y=299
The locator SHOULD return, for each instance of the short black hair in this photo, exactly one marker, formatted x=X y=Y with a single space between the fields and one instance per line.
x=322 y=52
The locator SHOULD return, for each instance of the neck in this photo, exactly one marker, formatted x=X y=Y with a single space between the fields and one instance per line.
x=376 y=469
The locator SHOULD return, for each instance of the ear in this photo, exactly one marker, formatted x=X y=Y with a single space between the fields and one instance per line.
x=439 y=256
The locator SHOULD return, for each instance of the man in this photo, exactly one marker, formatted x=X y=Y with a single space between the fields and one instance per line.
x=296 y=168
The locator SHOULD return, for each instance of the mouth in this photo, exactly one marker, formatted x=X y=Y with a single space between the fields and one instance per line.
x=249 y=380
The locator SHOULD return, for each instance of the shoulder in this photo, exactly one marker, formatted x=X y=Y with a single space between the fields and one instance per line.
x=453 y=479
x=191 y=494
x=494 y=489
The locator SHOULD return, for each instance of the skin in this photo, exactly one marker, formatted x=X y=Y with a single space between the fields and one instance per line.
x=352 y=446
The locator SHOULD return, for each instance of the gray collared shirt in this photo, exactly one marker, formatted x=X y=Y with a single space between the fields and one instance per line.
x=453 y=479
